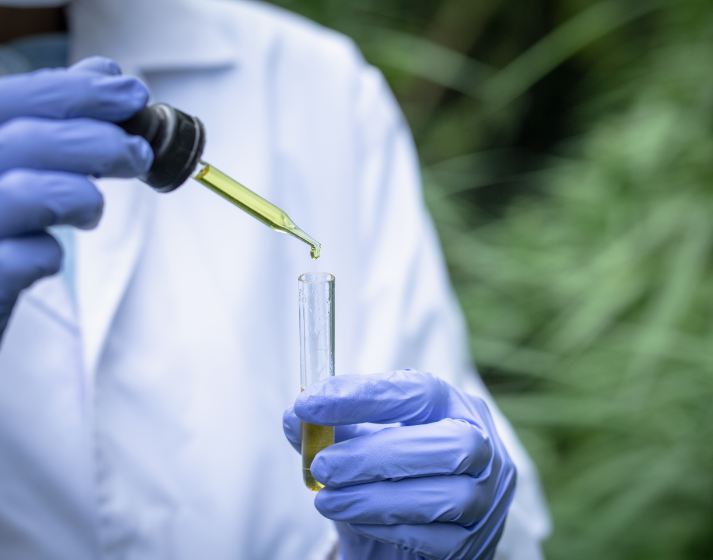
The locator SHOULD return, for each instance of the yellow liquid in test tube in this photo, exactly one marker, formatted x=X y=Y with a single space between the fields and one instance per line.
x=314 y=439
x=253 y=204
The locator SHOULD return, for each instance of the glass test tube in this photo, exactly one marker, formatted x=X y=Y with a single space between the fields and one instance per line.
x=316 y=298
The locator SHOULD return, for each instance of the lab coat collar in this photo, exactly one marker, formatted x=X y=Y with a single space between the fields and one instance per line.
x=143 y=36
x=106 y=260
x=154 y=35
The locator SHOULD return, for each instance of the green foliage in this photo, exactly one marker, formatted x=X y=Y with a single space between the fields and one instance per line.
x=597 y=296
x=567 y=151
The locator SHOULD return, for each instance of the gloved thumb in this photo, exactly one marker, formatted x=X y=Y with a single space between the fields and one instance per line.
x=98 y=65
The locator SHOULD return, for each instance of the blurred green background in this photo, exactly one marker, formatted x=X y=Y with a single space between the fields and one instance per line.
x=567 y=153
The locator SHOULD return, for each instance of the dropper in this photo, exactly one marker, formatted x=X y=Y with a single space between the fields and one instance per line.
x=177 y=140
x=252 y=203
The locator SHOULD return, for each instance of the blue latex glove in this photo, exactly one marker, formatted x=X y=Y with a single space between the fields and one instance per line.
x=55 y=130
x=438 y=486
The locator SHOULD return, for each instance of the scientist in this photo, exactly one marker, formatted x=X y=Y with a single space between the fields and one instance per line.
x=142 y=389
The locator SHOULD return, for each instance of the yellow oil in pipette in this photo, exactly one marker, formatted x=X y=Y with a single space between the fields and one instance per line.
x=253 y=204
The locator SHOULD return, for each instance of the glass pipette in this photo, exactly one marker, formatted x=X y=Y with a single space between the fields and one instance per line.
x=253 y=204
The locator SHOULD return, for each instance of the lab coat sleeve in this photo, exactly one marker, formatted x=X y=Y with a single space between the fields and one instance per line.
x=410 y=316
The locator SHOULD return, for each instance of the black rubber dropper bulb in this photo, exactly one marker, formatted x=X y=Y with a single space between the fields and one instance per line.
x=177 y=141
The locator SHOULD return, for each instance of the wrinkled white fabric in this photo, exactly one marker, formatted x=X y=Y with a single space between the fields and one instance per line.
x=147 y=424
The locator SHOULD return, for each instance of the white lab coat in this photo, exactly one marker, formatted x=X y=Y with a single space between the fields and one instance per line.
x=142 y=419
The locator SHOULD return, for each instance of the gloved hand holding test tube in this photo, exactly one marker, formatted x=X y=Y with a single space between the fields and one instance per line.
x=436 y=486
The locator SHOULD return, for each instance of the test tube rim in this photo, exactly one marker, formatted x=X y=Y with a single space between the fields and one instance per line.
x=327 y=277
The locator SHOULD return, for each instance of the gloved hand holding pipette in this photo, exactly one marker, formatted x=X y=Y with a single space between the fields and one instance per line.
x=438 y=486
x=55 y=130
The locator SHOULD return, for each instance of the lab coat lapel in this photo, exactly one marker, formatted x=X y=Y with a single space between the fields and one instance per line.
x=153 y=35
x=136 y=35
x=106 y=259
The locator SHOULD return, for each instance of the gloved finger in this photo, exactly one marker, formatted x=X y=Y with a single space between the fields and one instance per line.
x=437 y=541
x=68 y=94
x=441 y=448
x=398 y=396
x=98 y=64
x=353 y=546
x=433 y=541
x=292 y=426
x=22 y=261
x=31 y=201
x=83 y=146
x=447 y=499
